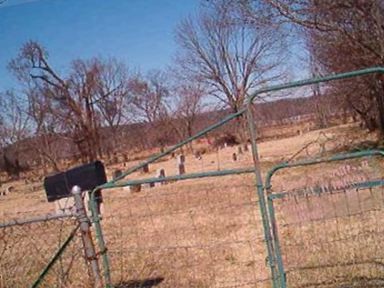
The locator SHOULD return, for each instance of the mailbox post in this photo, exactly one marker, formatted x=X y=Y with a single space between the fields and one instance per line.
x=85 y=228
x=73 y=183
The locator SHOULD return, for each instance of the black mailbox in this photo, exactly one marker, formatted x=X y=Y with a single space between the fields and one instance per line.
x=86 y=177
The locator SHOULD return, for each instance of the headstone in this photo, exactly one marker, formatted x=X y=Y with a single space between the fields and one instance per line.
x=146 y=168
x=181 y=168
x=161 y=174
x=135 y=188
x=234 y=157
x=322 y=148
x=151 y=185
x=117 y=173
x=180 y=158
x=198 y=155
x=180 y=164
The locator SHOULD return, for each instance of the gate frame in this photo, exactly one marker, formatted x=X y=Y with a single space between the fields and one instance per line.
x=256 y=169
x=270 y=196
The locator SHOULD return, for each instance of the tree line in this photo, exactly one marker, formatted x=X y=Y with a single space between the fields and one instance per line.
x=226 y=50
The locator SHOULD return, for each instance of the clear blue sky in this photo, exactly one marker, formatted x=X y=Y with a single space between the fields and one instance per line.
x=139 y=32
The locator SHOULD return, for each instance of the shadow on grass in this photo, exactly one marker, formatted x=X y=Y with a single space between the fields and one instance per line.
x=145 y=283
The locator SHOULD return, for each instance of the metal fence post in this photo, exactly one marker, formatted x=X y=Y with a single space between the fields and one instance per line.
x=100 y=238
x=89 y=248
x=261 y=196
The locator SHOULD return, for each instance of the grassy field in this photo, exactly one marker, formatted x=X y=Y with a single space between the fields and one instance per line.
x=208 y=232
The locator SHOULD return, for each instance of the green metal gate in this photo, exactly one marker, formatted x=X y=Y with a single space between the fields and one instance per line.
x=270 y=221
x=328 y=233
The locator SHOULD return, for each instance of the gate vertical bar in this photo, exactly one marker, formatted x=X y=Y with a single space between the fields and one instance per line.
x=100 y=238
x=261 y=196
x=85 y=226
x=275 y=238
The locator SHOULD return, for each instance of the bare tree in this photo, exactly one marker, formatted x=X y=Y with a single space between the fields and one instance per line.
x=230 y=56
x=188 y=104
x=89 y=96
x=149 y=98
x=149 y=95
x=344 y=35
x=48 y=130
x=113 y=93
x=14 y=128
x=113 y=102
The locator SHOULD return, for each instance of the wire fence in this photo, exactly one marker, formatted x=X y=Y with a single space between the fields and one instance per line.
x=171 y=228
x=27 y=247
x=329 y=224
x=213 y=232
x=187 y=234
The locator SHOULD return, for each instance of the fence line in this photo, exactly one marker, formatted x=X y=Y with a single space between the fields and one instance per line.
x=18 y=236
x=45 y=251
x=31 y=220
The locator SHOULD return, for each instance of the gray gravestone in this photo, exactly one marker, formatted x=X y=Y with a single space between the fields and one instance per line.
x=180 y=164
x=135 y=188
x=117 y=173
x=146 y=168
x=161 y=174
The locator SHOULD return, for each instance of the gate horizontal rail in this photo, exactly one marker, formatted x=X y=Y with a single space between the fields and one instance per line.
x=182 y=177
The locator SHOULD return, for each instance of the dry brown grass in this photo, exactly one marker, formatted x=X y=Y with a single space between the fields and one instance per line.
x=208 y=232
x=204 y=233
